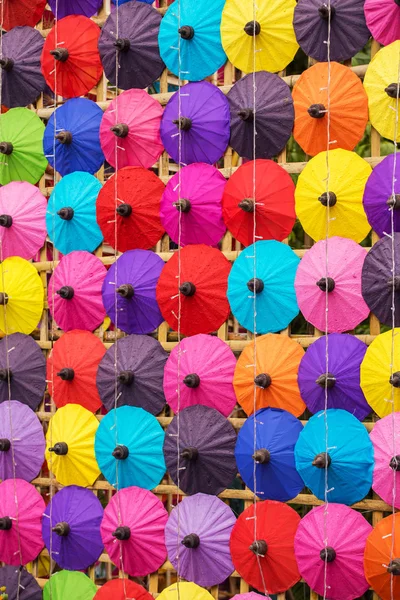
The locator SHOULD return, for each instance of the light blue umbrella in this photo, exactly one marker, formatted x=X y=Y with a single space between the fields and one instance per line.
x=129 y=448
x=196 y=34
x=71 y=213
x=273 y=281
x=350 y=456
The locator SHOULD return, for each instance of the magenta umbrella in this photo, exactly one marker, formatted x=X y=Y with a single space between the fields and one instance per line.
x=341 y=556
x=383 y=20
x=386 y=442
x=250 y=596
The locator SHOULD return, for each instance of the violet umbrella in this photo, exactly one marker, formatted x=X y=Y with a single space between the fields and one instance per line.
x=195 y=124
x=129 y=291
x=139 y=370
x=18 y=584
x=274 y=115
x=386 y=442
x=378 y=200
x=206 y=461
x=23 y=368
x=63 y=8
x=71 y=528
x=197 y=538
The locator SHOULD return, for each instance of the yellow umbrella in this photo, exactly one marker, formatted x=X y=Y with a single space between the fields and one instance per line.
x=274 y=44
x=21 y=296
x=187 y=591
x=348 y=174
x=376 y=374
x=70 y=446
x=380 y=83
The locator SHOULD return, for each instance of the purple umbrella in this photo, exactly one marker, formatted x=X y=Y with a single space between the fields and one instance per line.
x=377 y=280
x=19 y=584
x=202 y=124
x=274 y=115
x=345 y=355
x=71 y=528
x=349 y=32
x=206 y=450
x=129 y=291
x=140 y=371
x=378 y=200
x=197 y=538
x=23 y=367
x=21 y=441
x=139 y=58
x=63 y=8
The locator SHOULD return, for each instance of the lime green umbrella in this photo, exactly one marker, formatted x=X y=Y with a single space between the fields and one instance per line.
x=66 y=585
x=21 y=146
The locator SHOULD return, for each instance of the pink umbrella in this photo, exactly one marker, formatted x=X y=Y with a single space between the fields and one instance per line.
x=250 y=596
x=130 y=130
x=21 y=510
x=383 y=20
x=74 y=293
x=193 y=197
x=206 y=369
x=386 y=442
x=342 y=556
x=132 y=531
x=22 y=220
x=346 y=306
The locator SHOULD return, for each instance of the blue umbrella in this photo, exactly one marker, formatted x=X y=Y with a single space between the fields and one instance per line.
x=74 y=139
x=201 y=52
x=272 y=280
x=277 y=432
x=350 y=456
x=129 y=448
x=71 y=213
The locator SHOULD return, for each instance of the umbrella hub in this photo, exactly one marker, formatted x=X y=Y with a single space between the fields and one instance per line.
x=66 y=292
x=122 y=533
x=328 y=199
x=6 y=64
x=183 y=205
x=394 y=567
x=5 y=445
x=5 y=374
x=191 y=540
x=186 y=32
x=184 y=123
x=121 y=452
x=395 y=379
x=62 y=529
x=262 y=456
x=255 y=285
x=396 y=282
x=393 y=90
x=324 y=10
x=66 y=374
x=123 y=44
x=327 y=554
x=64 y=137
x=126 y=291
x=124 y=210
x=395 y=463
x=397 y=2
x=326 y=380
x=121 y=130
x=322 y=460
x=6 y=147
x=317 y=111
x=187 y=288
x=192 y=380
x=394 y=201
x=246 y=114
x=60 y=54
x=263 y=380
x=326 y=284
x=190 y=453
x=252 y=28
x=66 y=213
x=259 y=547
x=3 y=298
x=126 y=377
x=5 y=524
x=6 y=221
x=247 y=204
x=60 y=448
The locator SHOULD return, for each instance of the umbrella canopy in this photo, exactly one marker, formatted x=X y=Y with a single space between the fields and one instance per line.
x=342 y=279
x=379 y=381
x=73 y=68
x=71 y=528
x=133 y=531
x=270 y=444
x=21 y=442
x=22 y=81
x=18 y=584
x=24 y=12
x=140 y=362
x=72 y=368
x=378 y=200
x=259 y=38
x=206 y=444
x=342 y=382
x=197 y=539
x=273 y=202
x=385 y=439
x=22 y=220
x=381 y=557
x=277 y=363
x=139 y=60
x=21 y=296
x=262 y=546
x=195 y=124
x=348 y=175
x=346 y=27
x=129 y=291
x=69 y=584
x=267 y=269
x=74 y=292
x=128 y=209
x=250 y=596
x=194 y=283
x=21 y=152
x=21 y=509
x=183 y=590
x=334 y=566
x=73 y=142
x=383 y=20
x=22 y=370
x=120 y=589
x=195 y=30
x=129 y=448
x=348 y=108
x=273 y=118
x=205 y=365
x=349 y=459
x=70 y=446
x=191 y=210
x=130 y=130
x=62 y=9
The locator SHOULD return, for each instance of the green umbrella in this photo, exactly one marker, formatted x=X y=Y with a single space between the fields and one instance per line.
x=69 y=584
x=21 y=146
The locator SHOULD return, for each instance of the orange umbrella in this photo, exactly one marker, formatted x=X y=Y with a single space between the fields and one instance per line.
x=382 y=558
x=277 y=363
x=348 y=108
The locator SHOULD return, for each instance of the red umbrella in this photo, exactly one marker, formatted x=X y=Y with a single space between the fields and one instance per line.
x=132 y=202
x=199 y=292
x=70 y=60
x=22 y=12
x=72 y=368
x=122 y=589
